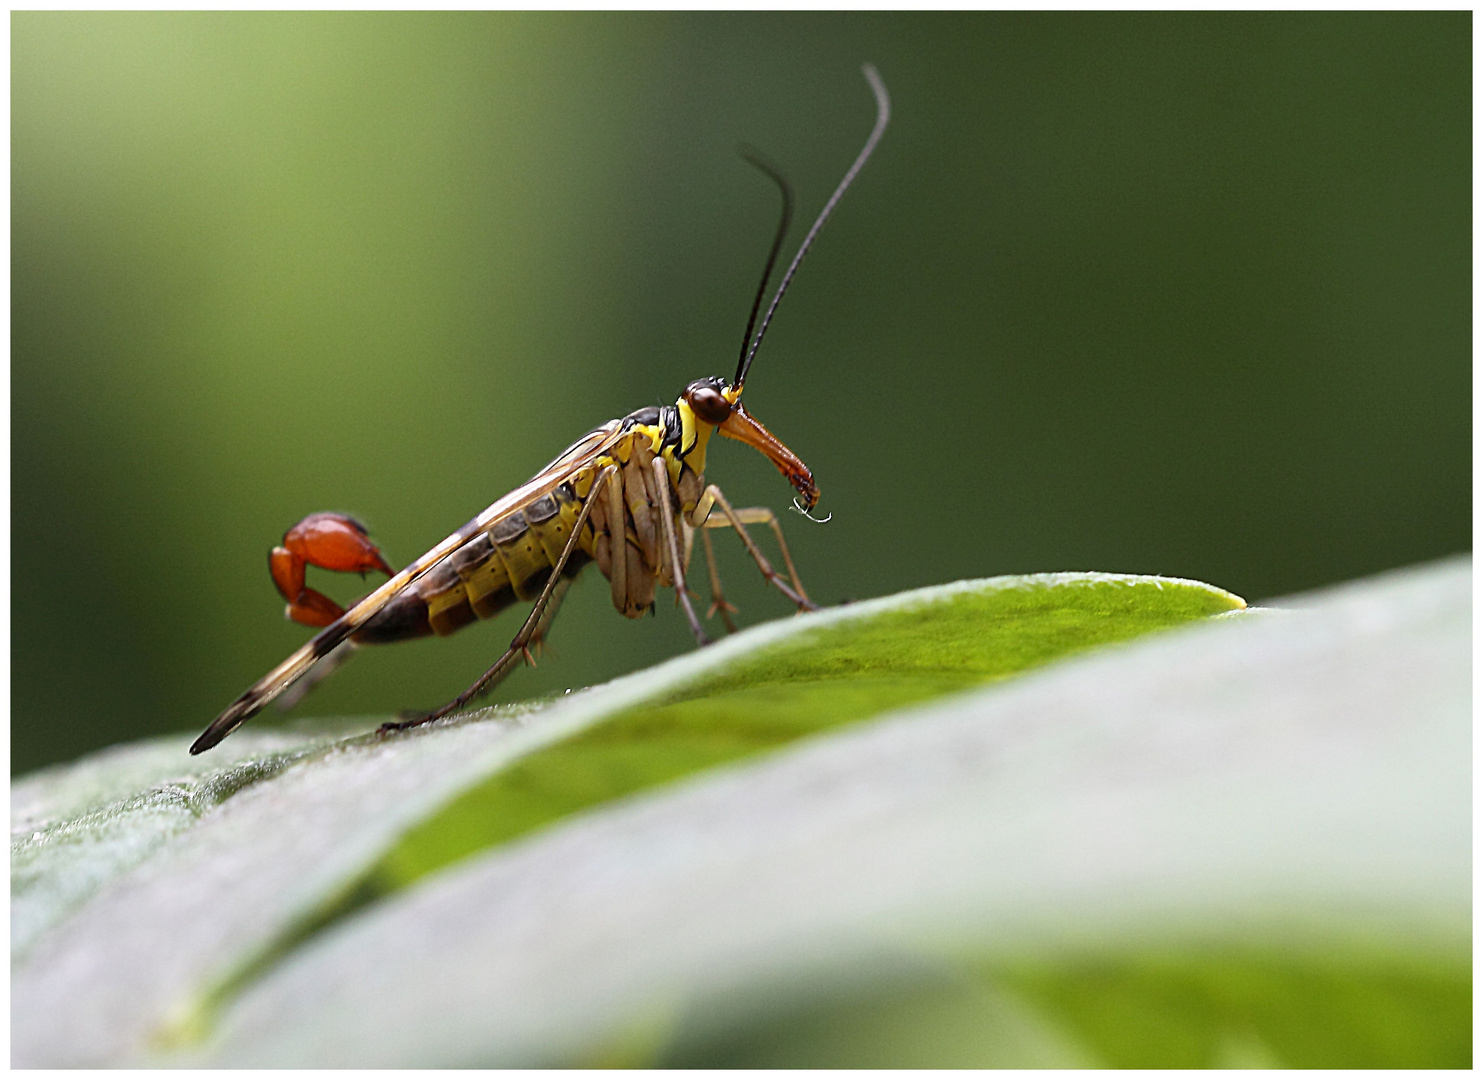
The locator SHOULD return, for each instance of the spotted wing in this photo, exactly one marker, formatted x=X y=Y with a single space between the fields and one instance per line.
x=571 y=461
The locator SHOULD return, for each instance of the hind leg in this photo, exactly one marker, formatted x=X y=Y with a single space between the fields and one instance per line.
x=537 y=624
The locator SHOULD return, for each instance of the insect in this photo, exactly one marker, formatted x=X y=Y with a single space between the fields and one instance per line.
x=629 y=495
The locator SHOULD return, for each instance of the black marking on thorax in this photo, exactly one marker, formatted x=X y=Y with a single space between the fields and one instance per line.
x=664 y=417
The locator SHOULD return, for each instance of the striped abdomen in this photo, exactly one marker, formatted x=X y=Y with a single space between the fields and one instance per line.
x=509 y=561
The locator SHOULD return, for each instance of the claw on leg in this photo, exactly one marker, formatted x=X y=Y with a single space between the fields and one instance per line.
x=724 y=606
x=331 y=541
x=410 y=718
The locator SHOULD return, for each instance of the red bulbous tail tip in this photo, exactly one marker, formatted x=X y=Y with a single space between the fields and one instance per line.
x=329 y=541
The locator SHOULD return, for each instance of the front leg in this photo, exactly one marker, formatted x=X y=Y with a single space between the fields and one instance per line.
x=758 y=515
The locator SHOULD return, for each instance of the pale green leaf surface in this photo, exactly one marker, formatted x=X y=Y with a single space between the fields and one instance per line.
x=181 y=877
x=1281 y=804
x=75 y=827
x=805 y=683
x=139 y=946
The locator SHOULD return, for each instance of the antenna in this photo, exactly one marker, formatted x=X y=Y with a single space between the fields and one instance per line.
x=882 y=118
x=755 y=157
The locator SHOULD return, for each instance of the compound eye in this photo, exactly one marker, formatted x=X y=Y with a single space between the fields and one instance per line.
x=709 y=405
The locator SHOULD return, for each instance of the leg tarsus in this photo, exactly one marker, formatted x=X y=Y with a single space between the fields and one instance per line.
x=410 y=718
x=718 y=599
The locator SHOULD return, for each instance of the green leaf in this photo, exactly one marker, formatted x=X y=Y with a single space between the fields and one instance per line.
x=857 y=664
x=937 y=887
x=76 y=827
x=1360 y=1007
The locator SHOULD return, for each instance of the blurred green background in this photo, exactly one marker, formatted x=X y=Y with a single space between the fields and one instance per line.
x=1183 y=294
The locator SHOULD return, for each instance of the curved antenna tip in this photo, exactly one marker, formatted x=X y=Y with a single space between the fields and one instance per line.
x=878 y=87
x=882 y=118
x=757 y=158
